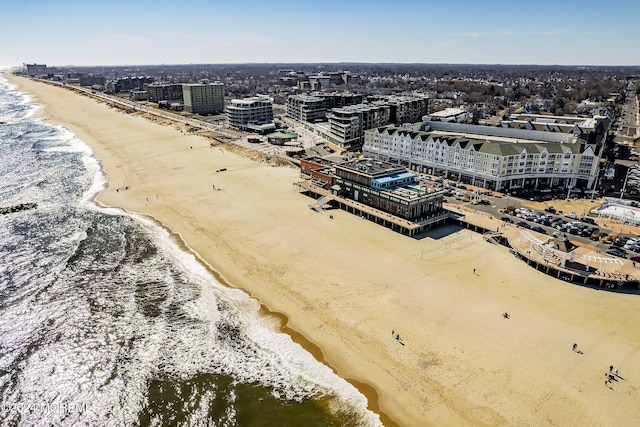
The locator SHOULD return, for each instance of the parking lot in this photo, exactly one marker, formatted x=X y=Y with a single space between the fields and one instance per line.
x=581 y=226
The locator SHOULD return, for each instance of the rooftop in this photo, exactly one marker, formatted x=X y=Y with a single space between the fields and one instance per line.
x=492 y=144
x=374 y=168
x=448 y=112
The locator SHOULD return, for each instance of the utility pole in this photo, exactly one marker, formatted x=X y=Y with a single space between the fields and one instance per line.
x=624 y=186
x=595 y=184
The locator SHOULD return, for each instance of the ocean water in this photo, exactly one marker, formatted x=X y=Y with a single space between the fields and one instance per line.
x=104 y=320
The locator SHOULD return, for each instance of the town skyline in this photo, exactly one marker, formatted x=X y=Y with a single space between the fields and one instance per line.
x=585 y=33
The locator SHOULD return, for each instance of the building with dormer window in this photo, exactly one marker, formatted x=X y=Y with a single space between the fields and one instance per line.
x=490 y=161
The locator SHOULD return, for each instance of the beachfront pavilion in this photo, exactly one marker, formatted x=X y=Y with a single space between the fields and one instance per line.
x=557 y=257
x=563 y=256
x=281 y=138
x=619 y=210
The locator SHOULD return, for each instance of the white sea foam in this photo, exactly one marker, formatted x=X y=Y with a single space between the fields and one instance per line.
x=15 y=98
x=214 y=329
x=280 y=363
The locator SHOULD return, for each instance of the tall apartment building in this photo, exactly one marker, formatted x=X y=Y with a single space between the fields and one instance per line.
x=339 y=99
x=33 y=69
x=490 y=160
x=406 y=109
x=347 y=124
x=89 y=80
x=306 y=108
x=313 y=107
x=171 y=92
x=127 y=84
x=255 y=113
x=203 y=98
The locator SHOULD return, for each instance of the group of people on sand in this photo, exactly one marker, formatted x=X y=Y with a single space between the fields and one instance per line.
x=611 y=376
x=396 y=336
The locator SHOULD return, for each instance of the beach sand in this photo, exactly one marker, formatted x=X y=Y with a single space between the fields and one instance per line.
x=345 y=283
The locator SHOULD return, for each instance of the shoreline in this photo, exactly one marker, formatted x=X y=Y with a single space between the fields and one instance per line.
x=364 y=388
x=463 y=364
x=367 y=390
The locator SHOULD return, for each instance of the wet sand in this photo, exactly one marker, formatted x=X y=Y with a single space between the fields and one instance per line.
x=345 y=283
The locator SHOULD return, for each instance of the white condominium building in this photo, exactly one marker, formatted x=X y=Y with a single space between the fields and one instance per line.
x=489 y=161
x=255 y=113
x=203 y=98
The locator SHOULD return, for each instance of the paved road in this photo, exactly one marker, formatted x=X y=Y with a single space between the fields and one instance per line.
x=498 y=203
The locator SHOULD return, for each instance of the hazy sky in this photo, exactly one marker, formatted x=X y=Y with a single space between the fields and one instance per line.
x=117 y=32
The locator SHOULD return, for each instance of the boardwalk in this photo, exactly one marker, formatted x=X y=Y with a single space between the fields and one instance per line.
x=584 y=264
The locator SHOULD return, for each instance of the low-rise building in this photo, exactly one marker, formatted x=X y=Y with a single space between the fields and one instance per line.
x=562 y=124
x=320 y=170
x=389 y=188
x=457 y=115
x=139 y=95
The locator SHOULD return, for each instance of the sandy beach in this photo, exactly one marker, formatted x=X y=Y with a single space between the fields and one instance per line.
x=344 y=284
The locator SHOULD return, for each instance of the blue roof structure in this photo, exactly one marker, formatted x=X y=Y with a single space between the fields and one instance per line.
x=392 y=180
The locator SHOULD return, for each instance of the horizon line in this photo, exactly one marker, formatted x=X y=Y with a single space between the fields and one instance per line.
x=345 y=62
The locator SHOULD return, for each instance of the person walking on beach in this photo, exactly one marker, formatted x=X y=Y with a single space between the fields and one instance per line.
x=575 y=347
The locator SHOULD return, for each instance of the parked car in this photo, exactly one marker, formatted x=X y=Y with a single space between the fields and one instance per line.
x=539 y=229
x=617 y=252
x=506 y=219
x=635 y=258
x=571 y=215
x=573 y=230
x=524 y=224
x=634 y=247
x=586 y=232
x=560 y=225
x=588 y=220
x=619 y=241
